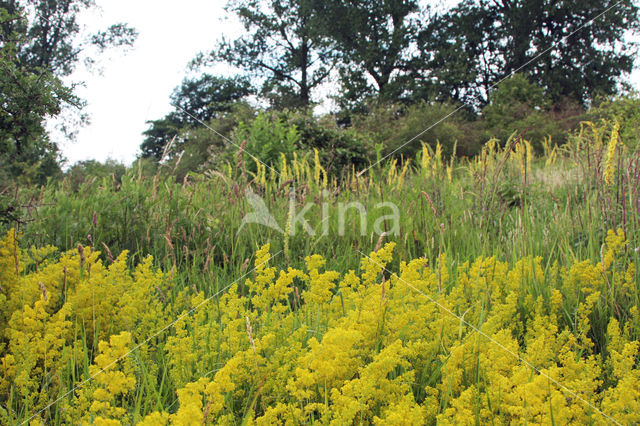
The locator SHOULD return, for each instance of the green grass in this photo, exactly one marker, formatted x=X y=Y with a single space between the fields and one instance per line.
x=187 y=226
x=559 y=211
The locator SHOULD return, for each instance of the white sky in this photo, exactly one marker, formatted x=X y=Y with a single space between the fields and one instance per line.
x=135 y=87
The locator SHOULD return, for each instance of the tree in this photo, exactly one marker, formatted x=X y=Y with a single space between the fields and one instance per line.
x=518 y=105
x=38 y=46
x=79 y=172
x=159 y=134
x=27 y=99
x=29 y=95
x=201 y=99
x=281 y=48
x=479 y=42
x=375 y=41
x=454 y=64
x=196 y=101
x=48 y=34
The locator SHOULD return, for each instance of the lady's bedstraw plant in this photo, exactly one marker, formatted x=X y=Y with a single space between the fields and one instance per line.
x=610 y=161
x=103 y=400
x=381 y=344
x=55 y=310
x=365 y=347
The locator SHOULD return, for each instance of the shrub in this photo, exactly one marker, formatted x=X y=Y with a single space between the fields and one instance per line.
x=266 y=138
x=202 y=147
x=626 y=111
x=517 y=105
x=80 y=171
x=339 y=149
x=271 y=136
x=401 y=130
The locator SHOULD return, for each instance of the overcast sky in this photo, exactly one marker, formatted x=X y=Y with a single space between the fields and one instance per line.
x=135 y=87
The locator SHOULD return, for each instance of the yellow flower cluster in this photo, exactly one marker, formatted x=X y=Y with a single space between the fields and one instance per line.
x=610 y=161
x=57 y=312
x=102 y=399
x=483 y=341
x=488 y=342
x=299 y=171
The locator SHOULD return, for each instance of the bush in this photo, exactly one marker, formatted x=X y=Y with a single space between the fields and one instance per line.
x=199 y=148
x=401 y=130
x=271 y=135
x=80 y=171
x=518 y=105
x=626 y=111
x=9 y=209
x=339 y=149
x=266 y=138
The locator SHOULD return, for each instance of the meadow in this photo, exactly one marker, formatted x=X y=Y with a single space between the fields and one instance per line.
x=506 y=292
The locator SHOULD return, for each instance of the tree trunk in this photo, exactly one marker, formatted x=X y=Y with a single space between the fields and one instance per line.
x=304 y=68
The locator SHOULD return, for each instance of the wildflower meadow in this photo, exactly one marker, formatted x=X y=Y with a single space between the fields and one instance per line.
x=500 y=289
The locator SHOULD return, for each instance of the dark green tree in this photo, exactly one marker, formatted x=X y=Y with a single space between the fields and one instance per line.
x=27 y=99
x=79 y=172
x=518 y=105
x=38 y=46
x=581 y=47
x=281 y=49
x=159 y=134
x=196 y=101
x=46 y=37
x=375 y=41
x=201 y=99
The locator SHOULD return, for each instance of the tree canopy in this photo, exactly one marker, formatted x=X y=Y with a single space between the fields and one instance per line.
x=282 y=49
x=570 y=49
x=375 y=43
x=39 y=44
x=196 y=101
x=406 y=57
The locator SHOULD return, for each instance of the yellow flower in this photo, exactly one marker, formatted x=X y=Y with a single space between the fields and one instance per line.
x=426 y=344
x=610 y=162
x=320 y=284
x=375 y=263
x=191 y=404
x=155 y=419
x=112 y=378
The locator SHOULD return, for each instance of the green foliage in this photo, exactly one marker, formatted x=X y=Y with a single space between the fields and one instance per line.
x=159 y=135
x=202 y=99
x=81 y=171
x=515 y=90
x=626 y=111
x=518 y=105
x=37 y=49
x=269 y=136
x=340 y=149
x=373 y=41
x=266 y=138
x=28 y=98
x=477 y=43
x=403 y=70
x=51 y=34
x=395 y=127
x=281 y=48
x=200 y=148
x=9 y=209
x=489 y=206
x=196 y=102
